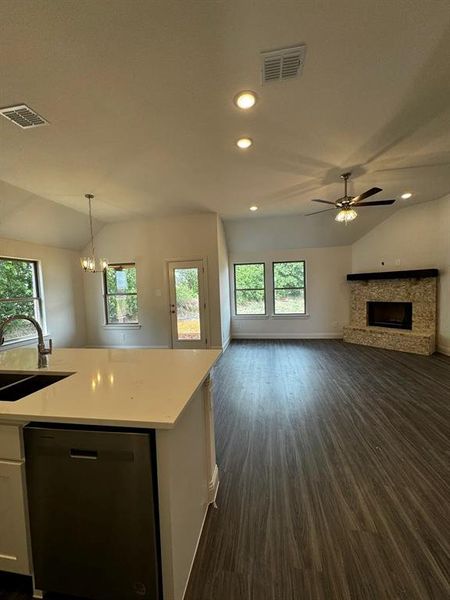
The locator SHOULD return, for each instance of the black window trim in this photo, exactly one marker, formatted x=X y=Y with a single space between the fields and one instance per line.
x=107 y=295
x=236 y=314
x=281 y=262
x=39 y=298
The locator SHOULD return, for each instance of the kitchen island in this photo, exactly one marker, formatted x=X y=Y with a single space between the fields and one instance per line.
x=165 y=391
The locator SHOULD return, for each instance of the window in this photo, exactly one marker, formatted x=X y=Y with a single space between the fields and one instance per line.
x=120 y=294
x=249 y=289
x=19 y=295
x=289 y=288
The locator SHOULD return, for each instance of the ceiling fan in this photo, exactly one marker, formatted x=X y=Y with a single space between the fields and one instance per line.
x=347 y=204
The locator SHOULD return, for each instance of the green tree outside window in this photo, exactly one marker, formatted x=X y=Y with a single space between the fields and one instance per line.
x=121 y=305
x=19 y=294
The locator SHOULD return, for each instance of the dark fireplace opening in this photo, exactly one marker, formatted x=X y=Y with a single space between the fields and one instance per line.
x=390 y=314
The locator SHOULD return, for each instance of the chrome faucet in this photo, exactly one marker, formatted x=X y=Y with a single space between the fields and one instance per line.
x=43 y=351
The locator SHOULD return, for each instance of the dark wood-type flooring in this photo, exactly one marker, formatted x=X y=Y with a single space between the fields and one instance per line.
x=334 y=476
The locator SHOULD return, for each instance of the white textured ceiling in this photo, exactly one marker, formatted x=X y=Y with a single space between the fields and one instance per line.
x=139 y=97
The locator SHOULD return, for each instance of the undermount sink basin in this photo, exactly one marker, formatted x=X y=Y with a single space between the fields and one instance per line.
x=14 y=386
x=9 y=378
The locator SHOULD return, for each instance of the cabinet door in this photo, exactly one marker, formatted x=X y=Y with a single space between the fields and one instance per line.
x=13 y=520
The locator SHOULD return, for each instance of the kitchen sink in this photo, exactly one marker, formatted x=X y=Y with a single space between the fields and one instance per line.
x=9 y=378
x=14 y=386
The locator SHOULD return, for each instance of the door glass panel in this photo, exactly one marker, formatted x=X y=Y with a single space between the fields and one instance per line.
x=188 y=304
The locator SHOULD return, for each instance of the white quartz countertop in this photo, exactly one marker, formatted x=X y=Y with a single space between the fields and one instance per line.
x=118 y=387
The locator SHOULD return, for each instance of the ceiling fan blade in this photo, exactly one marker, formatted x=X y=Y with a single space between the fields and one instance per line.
x=318 y=212
x=323 y=201
x=366 y=194
x=377 y=203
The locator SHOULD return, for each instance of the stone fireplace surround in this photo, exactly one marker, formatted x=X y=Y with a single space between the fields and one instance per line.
x=418 y=287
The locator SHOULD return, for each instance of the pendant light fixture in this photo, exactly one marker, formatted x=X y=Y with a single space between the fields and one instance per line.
x=89 y=263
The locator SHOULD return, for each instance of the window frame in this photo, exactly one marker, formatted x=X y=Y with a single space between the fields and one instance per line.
x=106 y=295
x=264 y=289
x=274 y=289
x=38 y=298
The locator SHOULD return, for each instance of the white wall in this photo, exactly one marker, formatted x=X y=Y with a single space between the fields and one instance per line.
x=63 y=289
x=327 y=294
x=150 y=243
x=294 y=231
x=224 y=284
x=414 y=237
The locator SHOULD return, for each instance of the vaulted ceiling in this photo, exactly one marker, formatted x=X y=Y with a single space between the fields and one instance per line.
x=139 y=98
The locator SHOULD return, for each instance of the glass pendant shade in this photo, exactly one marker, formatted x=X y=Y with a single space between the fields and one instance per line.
x=89 y=264
x=346 y=215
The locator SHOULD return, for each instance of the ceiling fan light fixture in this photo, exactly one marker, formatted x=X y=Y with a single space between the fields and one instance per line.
x=345 y=215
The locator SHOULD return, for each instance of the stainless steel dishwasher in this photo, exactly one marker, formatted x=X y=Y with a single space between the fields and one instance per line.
x=92 y=502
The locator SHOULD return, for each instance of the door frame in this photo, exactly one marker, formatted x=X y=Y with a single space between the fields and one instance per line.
x=204 y=284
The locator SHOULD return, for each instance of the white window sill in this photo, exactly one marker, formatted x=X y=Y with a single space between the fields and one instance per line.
x=286 y=316
x=289 y=316
x=114 y=326
x=250 y=316
x=23 y=342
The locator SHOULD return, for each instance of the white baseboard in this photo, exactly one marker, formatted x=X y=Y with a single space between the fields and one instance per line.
x=226 y=344
x=213 y=486
x=444 y=349
x=126 y=347
x=287 y=336
x=223 y=347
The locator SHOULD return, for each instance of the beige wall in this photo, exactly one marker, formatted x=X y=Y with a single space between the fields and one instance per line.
x=151 y=243
x=224 y=284
x=327 y=295
x=63 y=289
x=414 y=237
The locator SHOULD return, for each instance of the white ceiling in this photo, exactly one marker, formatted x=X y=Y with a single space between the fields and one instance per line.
x=139 y=97
x=27 y=217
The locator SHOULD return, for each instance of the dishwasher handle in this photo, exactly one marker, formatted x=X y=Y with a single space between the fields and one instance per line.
x=83 y=454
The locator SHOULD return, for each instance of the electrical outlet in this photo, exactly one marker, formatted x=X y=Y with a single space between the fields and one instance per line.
x=397 y=261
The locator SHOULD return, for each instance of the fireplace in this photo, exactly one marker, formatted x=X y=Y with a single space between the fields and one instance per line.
x=397 y=315
x=382 y=306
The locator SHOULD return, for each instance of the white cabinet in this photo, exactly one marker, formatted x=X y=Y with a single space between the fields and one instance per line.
x=14 y=554
x=13 y=519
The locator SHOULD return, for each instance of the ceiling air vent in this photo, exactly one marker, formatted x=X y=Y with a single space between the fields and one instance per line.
x=284 y=63
x=23 y=116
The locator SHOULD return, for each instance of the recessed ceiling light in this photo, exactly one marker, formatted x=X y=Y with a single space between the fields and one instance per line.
x=244 y=143
x=406 y=195
x=253 y=208
x=245 y=99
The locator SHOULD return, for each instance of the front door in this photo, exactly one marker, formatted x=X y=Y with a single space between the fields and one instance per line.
x=188 y=310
